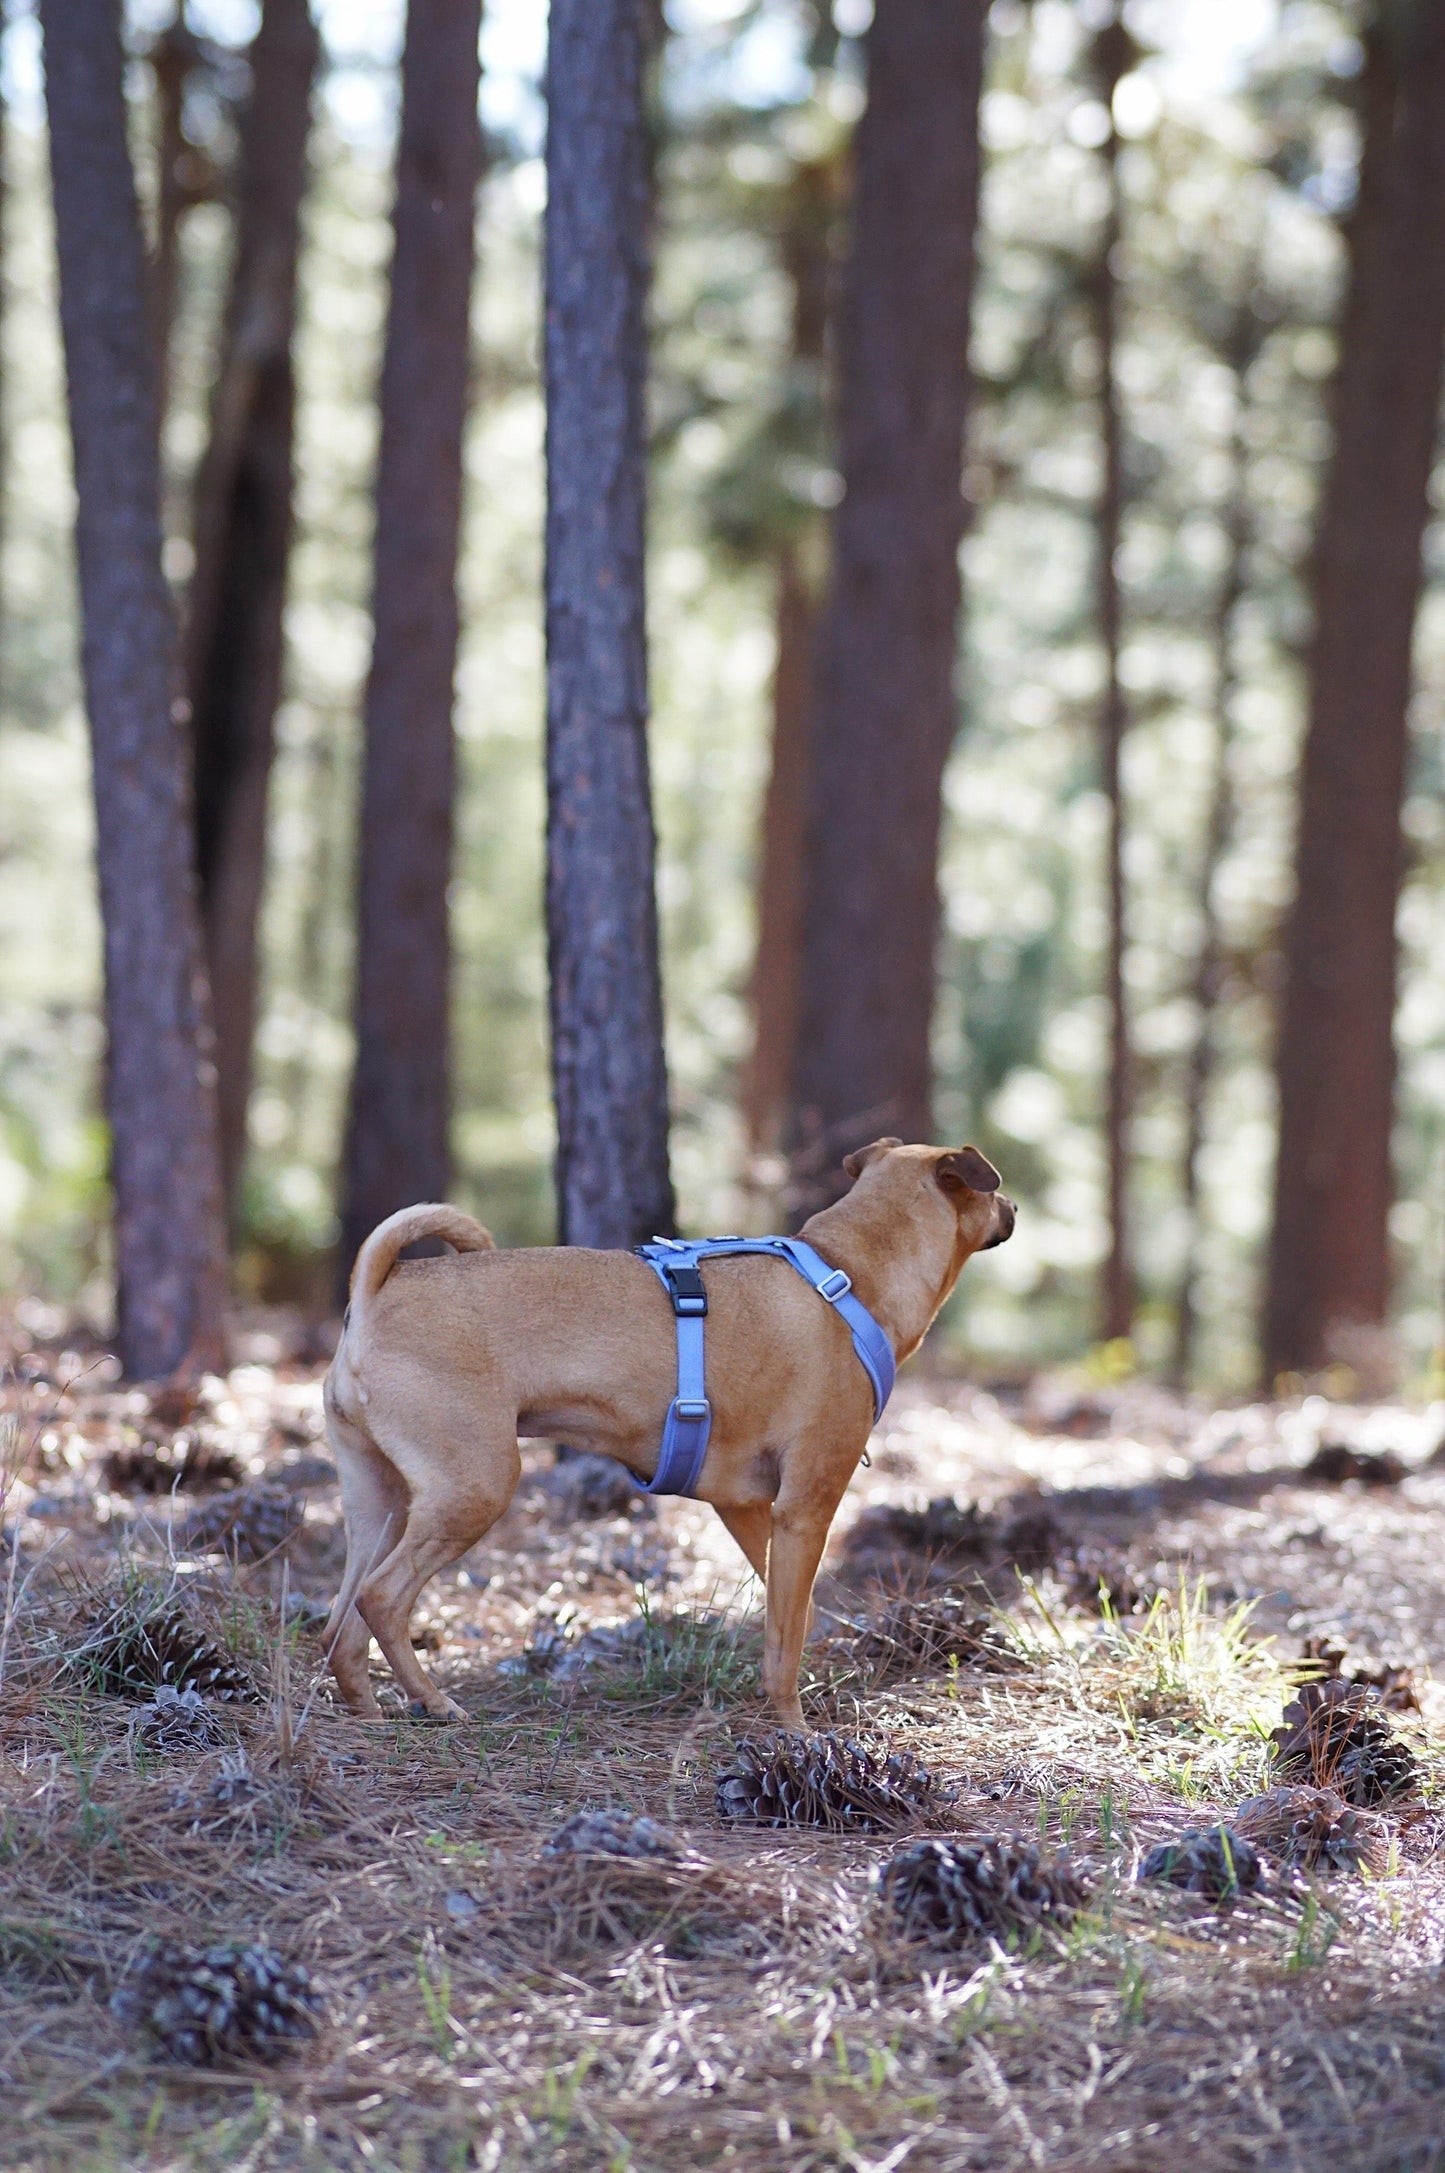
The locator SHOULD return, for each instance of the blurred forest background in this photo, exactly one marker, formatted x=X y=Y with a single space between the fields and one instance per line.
x=1198 y=160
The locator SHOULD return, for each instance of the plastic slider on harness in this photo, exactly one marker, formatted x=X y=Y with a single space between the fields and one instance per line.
x=689 y=1417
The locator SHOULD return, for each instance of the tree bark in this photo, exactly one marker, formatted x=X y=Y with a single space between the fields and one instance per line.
x=776 y=983
x=1113 y=54
x=608 y=1069
x=1329 y=1256
x=159 y=1080
x=1218 y=833
x=242 y=543
x=397 y=1134
x=186 y=175
x=4 y=385
x=885 y=704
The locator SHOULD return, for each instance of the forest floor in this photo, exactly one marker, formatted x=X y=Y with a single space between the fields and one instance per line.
x=746 y=1998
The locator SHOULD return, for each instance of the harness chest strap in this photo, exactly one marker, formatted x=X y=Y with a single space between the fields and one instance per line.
x=689 y=1417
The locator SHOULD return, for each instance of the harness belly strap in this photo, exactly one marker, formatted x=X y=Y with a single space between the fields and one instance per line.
x=689 y=1416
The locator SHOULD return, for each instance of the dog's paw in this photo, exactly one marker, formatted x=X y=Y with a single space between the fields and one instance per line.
x=440 y=1716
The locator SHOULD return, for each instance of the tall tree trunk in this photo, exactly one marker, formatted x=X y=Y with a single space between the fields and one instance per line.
x=185 y=176
x=159 y=1079
x=242 y=541
x=4 y=387
x=397 y=1133
x=1219 y=831
x=1113 y=54
x=885 y=705
x=608 y=1070
x=776 y=983
x=175 y=53
x=1329 y=1263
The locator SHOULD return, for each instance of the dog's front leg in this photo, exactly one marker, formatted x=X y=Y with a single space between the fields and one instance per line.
x=799 y=1535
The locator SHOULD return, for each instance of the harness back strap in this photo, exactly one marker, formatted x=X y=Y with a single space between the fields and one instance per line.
x=689 y=1418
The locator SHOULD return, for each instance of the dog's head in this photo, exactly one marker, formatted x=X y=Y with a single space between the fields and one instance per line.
x=957 y=1179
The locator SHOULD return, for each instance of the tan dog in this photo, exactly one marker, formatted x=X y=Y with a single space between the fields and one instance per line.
x=444 y=1362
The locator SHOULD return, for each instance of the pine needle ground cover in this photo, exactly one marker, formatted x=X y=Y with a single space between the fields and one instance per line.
x=240 y=1928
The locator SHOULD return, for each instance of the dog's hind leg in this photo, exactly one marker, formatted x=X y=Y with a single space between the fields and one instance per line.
x=752 y=1529
x=452 y=1508
x=375 y=1501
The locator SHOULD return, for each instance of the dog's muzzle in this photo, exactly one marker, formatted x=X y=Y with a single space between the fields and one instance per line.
x=1005 y=1216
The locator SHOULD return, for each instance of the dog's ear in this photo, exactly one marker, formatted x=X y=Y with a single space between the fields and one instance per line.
x=855 y=1164
x=966 y=1170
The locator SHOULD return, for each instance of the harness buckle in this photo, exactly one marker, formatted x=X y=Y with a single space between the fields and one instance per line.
x=692 y=1409
x=686 y=1289
x=837 y=1286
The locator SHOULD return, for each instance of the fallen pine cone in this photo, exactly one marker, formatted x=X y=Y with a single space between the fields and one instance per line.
x=183 y=1465
x=200 y=2003
x=1395 y=1684
x=131 y=1652
x=1334 y=1735
x=943 y=1532
x=1213 y=1861
x=1335 y=1462
x=826 y=1781
x=249 y=1523
x=615 y=1833
x=593 y=1487
x=176 y=1721
x=1033 y=1538
x=930 y=1631
x=951 y=1892
x=1311 y=1828
x=1099 y=1580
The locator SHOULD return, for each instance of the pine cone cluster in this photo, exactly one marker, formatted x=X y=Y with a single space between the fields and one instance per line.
x=1335 y=1735
x=1312 y=1828
x=185 y=1463
x=1214 y=1861
x=950 y=1892
x=131 y=1652
x=202 y=2003
x=614 y=1833
x=826 y=1781
x=248 y=1523
x=177 y=1721
x=930 y=1631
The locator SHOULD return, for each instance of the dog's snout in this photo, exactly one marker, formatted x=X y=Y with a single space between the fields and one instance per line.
x=1005 y=1215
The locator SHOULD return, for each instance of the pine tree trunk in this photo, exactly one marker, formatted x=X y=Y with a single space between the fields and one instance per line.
x=1329 y=1258
x=397 y=1135
x=242 y=541
x=608 y=1070
x=159 y=1081
x=174 y=56
x=885 y=703
x=1111 y=58
x=4 y=384
x=1219 y=831
x=776 y=982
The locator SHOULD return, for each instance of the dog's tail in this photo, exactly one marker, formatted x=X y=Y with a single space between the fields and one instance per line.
x=379 y=1255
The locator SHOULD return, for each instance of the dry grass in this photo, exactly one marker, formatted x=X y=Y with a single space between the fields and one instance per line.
x=745 y=2001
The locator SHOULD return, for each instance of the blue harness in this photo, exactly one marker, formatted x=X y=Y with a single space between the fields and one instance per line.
x=674 y=1261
